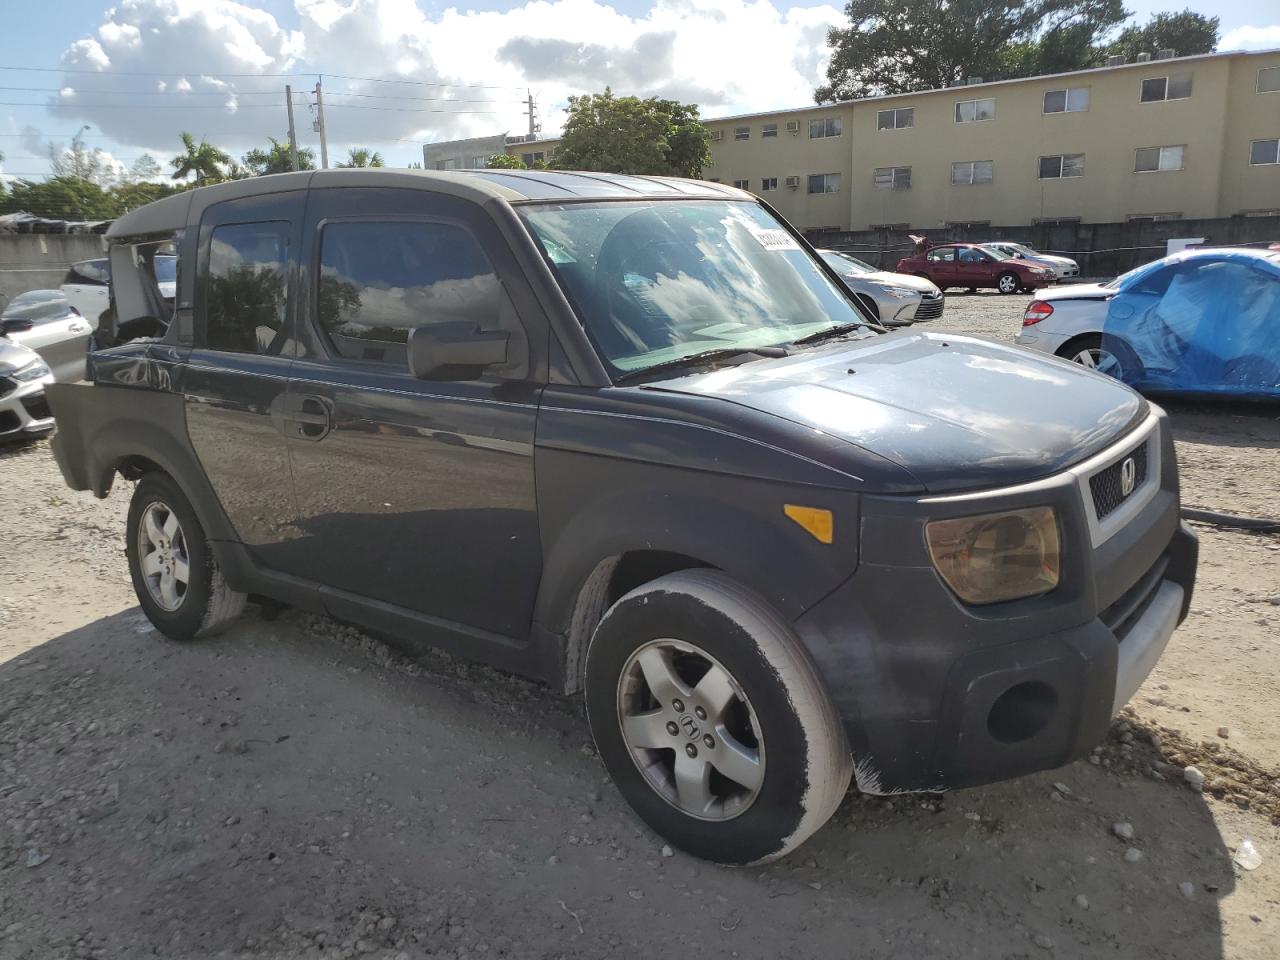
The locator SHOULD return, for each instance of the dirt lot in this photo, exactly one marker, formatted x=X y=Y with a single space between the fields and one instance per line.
x=294 y=789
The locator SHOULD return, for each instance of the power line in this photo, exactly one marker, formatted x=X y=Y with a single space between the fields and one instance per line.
x=249 y=93
x=241 y=76
x=236 y=108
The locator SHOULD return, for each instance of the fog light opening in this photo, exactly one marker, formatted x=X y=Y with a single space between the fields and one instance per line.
x=1021 y=712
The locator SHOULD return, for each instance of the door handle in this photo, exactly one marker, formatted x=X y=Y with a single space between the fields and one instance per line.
x=313 y=417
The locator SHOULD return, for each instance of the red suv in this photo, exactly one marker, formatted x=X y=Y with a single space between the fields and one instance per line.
x=972 y=265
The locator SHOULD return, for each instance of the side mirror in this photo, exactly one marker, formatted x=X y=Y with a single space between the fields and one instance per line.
x=15 y=325
x=454 y=351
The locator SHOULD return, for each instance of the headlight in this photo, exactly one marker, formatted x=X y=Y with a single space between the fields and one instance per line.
x=997 y=556
x=900 y=292
x=32 y=371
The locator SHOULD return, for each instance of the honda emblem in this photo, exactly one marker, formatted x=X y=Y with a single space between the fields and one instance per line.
x=1128 y=476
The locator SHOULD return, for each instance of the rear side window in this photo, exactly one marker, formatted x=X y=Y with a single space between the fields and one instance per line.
x=247 y=286
x=946 y=253
x=94 y=273
x=379 y=280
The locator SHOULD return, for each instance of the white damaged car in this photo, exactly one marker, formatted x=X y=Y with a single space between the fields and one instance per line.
x=894 y=299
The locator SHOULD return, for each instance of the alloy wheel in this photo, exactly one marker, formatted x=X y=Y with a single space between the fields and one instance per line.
x=690 y=730
x=163 y=557
x=1095 y=358
x=1008 y=284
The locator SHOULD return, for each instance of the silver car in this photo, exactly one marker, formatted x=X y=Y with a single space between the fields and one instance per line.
x=24 y=411
x=1063 y=268
x=47 y=323
x=895 y=299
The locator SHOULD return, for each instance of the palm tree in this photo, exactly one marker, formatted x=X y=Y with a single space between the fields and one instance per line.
x=362 y=157
x=204 y=160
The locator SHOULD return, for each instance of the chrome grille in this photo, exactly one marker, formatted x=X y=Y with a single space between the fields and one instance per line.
x=1107 y=485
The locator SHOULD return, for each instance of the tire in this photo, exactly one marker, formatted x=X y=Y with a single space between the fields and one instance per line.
x=1117 y=361
x=700 y=627
x=1008 y=282
x=204 y=604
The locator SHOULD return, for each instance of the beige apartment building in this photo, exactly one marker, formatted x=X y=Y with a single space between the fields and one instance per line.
x=1165 y=138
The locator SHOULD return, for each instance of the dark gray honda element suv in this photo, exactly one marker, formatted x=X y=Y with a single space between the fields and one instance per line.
x=631 y=437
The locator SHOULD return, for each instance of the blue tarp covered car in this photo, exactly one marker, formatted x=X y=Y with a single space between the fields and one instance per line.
x=1203 y=321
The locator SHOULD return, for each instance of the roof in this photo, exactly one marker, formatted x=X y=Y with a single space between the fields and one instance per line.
x=963 y=88
x=512 y=186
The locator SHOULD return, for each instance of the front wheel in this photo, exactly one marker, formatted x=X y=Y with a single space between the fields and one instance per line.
x=178 y=583
x=1008 y=282
x=712 y=721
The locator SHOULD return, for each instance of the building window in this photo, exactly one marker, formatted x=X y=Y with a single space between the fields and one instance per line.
x=1072 y=100
x=742 y=184
x=450 y=164
x=824 y=183
x=828 y=127
x=1157 y=159
x=892 y=178
x=1062 y=166
x=900 y=118
x=768 y=183
x=969 y=172
x=742 y=133
x=769 y=130
x=530 y=159
x=968 y=111
x=1176 y=86
x=888 y=226
x=1055 y=221
x=1269 y=80
x=966 y=254
x=1263 y=152
x=1152 y=217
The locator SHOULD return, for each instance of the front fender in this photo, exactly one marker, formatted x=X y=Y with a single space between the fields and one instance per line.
x=593 y=508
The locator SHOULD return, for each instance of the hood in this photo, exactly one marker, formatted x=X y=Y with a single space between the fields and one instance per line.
x=14 y=355
x=959 y=413
x=891 y=279
x=1077 y=291
x=1053 y=259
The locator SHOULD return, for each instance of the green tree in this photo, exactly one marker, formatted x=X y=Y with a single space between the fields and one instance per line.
x=1185 y=33
x=130 y=196
x=899 y=46
x=62 y=198
x=79 y=161
x=359 y=157
x=629 y=135
x=504 y=161
x=277 y=159
x=144 y=168
x=206 y=162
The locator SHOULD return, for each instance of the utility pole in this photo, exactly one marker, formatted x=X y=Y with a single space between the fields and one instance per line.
x=293 y=135
x=534 y=126
x=324 y=144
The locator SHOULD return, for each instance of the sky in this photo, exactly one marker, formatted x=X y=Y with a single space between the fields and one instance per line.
x=398 y=73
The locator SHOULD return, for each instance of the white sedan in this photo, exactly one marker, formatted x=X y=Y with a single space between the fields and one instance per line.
x=894 y=299
x=44 y=321
x=24 y=411
x=1063 y=268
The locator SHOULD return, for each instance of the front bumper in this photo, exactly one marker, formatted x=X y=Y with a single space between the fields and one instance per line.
x=936 y=695
x=24 y=410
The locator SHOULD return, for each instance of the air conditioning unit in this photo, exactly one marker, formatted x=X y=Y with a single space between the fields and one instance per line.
x=793 y=126
x=1168 y=53
x=717 y=136
x=793 y=182
x=1116 y=60
x=1142 y=58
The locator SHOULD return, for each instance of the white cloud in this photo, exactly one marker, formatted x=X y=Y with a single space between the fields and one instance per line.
x=1251 y=38
x=729 y=56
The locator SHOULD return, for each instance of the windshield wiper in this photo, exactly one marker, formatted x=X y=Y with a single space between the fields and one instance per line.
x=706 y=356
x=837 y=331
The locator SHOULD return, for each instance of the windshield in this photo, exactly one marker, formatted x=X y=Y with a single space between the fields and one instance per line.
x=845 y=264
x=653 y=282
x=1000 y=251
x=166 y=269
x=1135 y=274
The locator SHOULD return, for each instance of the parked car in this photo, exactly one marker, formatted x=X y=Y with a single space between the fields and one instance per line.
x=24 y=410
x=1063 y=267
x=88 y=284
x=1202 y=321
x=891 y=298
x=47 y=323
x=970 y=266
x=630 y=437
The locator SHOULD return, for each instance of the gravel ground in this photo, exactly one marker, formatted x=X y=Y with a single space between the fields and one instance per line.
x=295 y=789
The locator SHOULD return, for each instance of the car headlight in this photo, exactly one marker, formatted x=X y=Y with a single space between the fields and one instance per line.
x=997 y=556
x=32 y=371
x=901 y=293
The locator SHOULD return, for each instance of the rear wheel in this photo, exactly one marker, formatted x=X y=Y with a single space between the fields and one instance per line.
x=712 y=720
x=1115 y=359
x=1008 y=282
x=178 y=583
